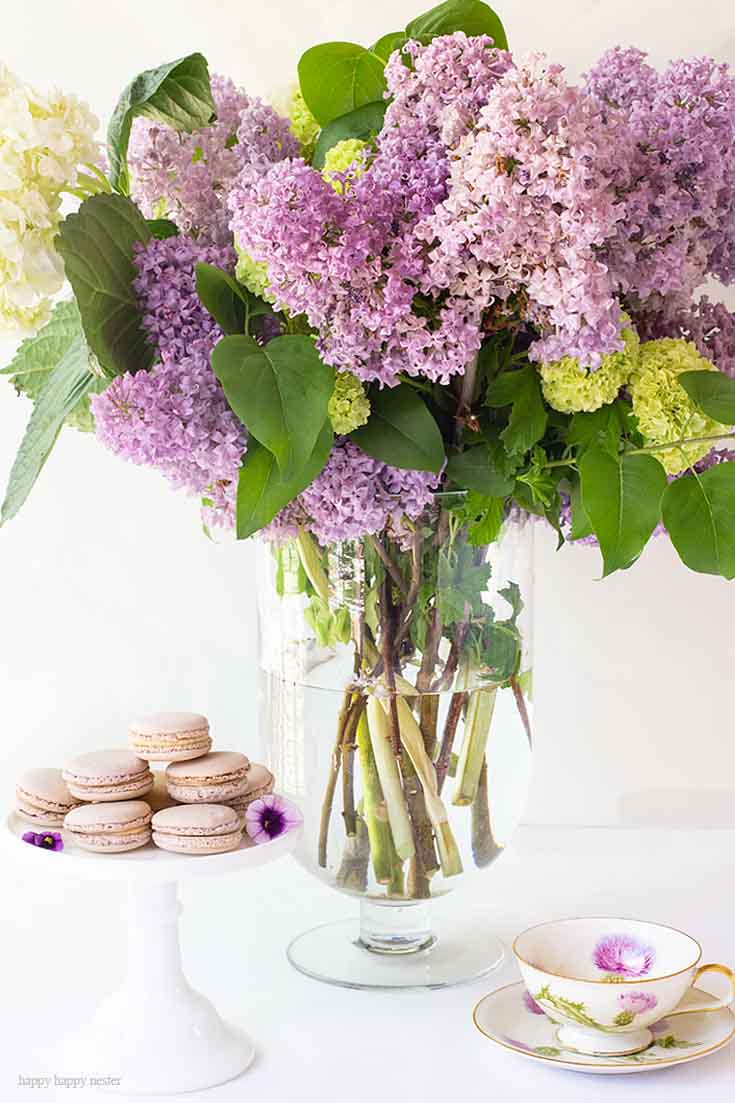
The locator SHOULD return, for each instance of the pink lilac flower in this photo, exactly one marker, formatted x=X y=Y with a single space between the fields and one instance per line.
x=530 y=1004
x=637 y=1002
x=623 y=955
x=188 y=176
x=270 y=816
x=173 y=316
x=355 y=495
x=47 y=840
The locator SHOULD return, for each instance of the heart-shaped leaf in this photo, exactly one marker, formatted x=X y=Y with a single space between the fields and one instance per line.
x=386 y=45
x=699 y=513
x=337 y=77
x=401 y=431
x=177 y=94
x=363 y=123
x=713 y=392
x=622 y=499
x=280 y=393
x=471 y=16
x=473 y=469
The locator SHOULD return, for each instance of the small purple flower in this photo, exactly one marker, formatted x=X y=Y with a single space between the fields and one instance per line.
x=623 y=955
x=270 y=816
x=530 y=1004
x=47 y=840
x=516 y=1043
x=637 y=1002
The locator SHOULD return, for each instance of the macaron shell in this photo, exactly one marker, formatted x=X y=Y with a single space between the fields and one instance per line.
x=260 y=783
x=215 y=793
x=170 y=724
x=104 y=768
x=214 y=768
x=123 y=791
x=198 y=844
x=43 y=789
x=196 y=820
x=37 y=816
x=113 y=818
x=112 y=843
x=154 y=749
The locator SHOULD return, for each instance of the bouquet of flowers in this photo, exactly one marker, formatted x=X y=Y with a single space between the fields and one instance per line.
x=445 y=291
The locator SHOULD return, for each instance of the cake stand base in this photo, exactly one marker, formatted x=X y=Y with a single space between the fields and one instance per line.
x=155 y=1034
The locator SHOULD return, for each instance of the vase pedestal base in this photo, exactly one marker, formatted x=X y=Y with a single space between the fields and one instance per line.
x=352 y=953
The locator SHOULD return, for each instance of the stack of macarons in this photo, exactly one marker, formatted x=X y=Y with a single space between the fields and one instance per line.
x=197 y=807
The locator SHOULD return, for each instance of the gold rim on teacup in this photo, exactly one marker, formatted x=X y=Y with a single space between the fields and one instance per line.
x=599 y=980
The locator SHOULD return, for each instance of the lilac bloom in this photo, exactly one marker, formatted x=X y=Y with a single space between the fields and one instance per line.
x=270 y=816
x=623 y=955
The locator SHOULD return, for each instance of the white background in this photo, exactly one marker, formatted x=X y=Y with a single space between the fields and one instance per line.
x=113 y=602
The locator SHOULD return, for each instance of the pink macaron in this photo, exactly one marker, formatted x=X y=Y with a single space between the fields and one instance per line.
x=170 y=736
x=108 y=775
x=43 y=798
x=197 y=829
x=110 y=827
x=260 y=782
x=214 y=778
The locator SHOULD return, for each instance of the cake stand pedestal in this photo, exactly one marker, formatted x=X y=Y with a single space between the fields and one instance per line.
x=155 y=1034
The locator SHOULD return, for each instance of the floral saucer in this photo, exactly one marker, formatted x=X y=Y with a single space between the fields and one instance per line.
x=511 y=1018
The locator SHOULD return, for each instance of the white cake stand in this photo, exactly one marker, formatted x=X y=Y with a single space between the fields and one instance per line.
x=155 y=1034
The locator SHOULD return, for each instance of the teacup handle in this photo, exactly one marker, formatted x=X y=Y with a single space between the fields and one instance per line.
x=712 y=967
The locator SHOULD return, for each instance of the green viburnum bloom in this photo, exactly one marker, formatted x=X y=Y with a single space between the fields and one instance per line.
x=664 y=410
x=252 y=273
x=347 y=155
x=304 y=126
x=571 y=389
x=348 y=407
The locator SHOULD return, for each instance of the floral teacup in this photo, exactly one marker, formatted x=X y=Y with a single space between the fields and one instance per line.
x=604 y=980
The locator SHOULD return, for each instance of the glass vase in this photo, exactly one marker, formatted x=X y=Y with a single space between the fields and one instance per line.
x=395 y=678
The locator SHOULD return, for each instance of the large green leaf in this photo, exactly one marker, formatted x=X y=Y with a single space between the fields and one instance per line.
x=622 y=499
x=363 y=123
x=177 y=94
x=599 y=429
x=37 y=357
x=473 y=469
x=699 y=513
x=713 y=392
x=70 y=380
x=401 y=431
x=521 y=390
x=97 y=246
x=470 y=16
x=261 y=490
x=385 y=45
x=280 y=393
x=337 y=77
x=230 y=303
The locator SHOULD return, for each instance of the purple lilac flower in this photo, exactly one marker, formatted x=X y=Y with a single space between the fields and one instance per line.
x=637 y=1002
x=47 y=840
x=188 y=176
x=530 y=1004
x=623 y=955
x=173 y=317
x=270 y=816
x=355 y=495
x=710 y=326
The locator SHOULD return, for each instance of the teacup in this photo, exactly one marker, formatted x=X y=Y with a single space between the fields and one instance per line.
x=605 y=980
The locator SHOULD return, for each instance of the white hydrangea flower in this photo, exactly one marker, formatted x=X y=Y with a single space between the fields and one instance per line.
x=44 y=143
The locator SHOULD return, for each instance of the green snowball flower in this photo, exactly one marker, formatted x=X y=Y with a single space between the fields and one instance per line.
x=252 y=273
x=304 y=126
x=348 y=407
x=570 y=388
x=347 y=155
x=663 y=409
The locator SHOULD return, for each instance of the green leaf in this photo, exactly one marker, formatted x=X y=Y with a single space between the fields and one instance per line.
x=521 y=390
x=38 y=356
x=470 y=16
x=486 y=529
x=460 y=584
x=221 y=294
x=70 y=380
x=713 y=392
x=337 y=77
x=363 y=123
x=261 y=490
x=401 y=431
x=501 y=653
x=162 y=228
x=280 y=393
x=96 y=244
x=581 y=524
x=600 y=429
x=699 y=513
x=512 y=594
x=473 y=469
x=386 y=45
x=622 y=499
x=177 y=94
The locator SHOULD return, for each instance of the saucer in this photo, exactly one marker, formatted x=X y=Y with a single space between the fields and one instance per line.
x=509 y=1017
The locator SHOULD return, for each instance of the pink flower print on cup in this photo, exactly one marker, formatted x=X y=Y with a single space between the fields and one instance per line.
x=622 y=955
x=530 y=1004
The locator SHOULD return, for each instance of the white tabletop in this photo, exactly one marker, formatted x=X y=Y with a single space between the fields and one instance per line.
x=61 y=947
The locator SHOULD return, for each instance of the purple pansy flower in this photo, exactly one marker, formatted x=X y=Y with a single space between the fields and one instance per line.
x=530 y=1004
x=47 y=840
x=637 y=1002
x=622 y=955
x=270 y=816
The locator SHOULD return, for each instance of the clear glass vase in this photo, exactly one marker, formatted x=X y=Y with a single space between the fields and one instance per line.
x=395 y=676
